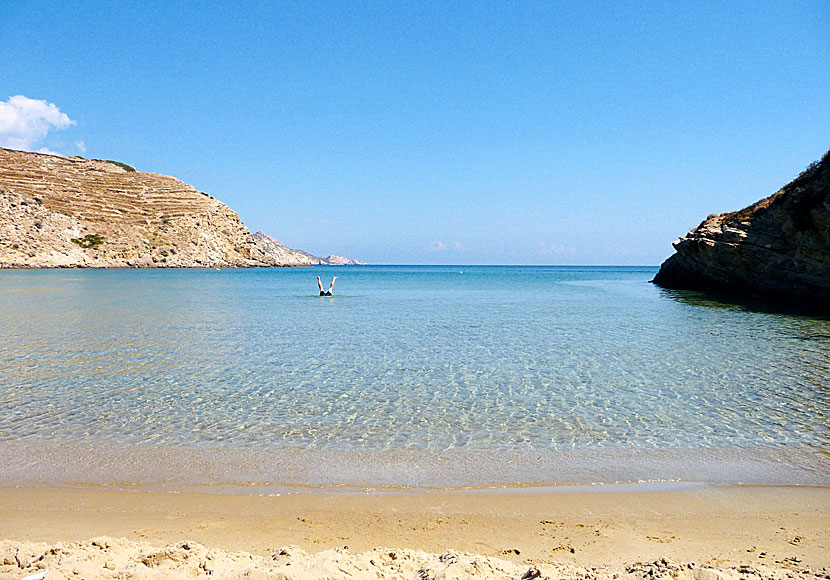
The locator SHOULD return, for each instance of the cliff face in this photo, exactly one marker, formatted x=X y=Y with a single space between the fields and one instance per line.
x=777 y=248
x=57 y=211
x=282 y=254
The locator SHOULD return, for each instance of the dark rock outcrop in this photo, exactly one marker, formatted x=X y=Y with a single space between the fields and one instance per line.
x=777 y=249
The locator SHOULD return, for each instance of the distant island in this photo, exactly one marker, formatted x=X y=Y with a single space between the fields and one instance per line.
x=74 y=212
x=776 y=249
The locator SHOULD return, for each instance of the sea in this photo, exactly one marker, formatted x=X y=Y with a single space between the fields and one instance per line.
x=408 y=377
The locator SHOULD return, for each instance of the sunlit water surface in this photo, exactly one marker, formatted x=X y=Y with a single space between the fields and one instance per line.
x=407 y=376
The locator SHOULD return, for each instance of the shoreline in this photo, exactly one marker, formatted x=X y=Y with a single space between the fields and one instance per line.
x=722 y=526
x=274 y=471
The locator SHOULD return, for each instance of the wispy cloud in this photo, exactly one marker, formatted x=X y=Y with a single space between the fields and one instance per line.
x=24 y=122
x=453 y=247
x=547 y=248
x=81 y=146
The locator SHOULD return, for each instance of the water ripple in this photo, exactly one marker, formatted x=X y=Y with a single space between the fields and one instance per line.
x=499 y=359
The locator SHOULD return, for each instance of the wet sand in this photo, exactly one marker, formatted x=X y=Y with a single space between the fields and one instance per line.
x=639 y=531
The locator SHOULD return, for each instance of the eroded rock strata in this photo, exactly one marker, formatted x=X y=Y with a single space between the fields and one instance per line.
x=777 y=249
x=59 y=211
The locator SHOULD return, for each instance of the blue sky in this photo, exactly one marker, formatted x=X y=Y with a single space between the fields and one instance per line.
x=468 y=133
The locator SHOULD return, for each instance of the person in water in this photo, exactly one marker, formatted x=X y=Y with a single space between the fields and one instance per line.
x=326 y=292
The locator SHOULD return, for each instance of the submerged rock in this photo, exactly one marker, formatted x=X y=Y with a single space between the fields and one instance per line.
x=776 y=249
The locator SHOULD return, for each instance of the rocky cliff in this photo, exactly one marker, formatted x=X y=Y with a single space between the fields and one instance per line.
x=282 y=254
x=777 y=248
x=58 y=211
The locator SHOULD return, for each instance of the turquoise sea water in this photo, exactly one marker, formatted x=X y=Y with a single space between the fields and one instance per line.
x=407 y=376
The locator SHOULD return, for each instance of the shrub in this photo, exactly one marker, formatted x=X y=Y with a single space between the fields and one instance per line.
x=88 y=241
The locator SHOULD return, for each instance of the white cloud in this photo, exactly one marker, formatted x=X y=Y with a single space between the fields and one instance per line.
x=25 y=121
x=555 y=249
x=81 y=146
x=453 y=247
x=47 y=151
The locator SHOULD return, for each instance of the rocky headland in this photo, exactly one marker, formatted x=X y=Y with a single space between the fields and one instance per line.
x=282 y=254
x=73 y=212
x=777 y=249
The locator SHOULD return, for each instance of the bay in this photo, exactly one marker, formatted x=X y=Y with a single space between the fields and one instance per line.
x=408 y=375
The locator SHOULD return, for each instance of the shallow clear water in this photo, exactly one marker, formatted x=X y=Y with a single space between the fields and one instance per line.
x=410 y=362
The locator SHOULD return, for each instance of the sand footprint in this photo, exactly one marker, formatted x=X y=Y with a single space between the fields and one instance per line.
x=662 y=539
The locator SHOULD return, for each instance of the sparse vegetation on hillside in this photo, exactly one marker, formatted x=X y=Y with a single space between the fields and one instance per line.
x=123 y=166
x=88 y=241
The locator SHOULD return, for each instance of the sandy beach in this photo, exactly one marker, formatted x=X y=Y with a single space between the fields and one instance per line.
x=640 y=531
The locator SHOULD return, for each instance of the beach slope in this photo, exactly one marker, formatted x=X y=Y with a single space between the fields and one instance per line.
x=697 y=532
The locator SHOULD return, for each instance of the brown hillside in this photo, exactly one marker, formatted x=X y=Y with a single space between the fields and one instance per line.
x=117 y=217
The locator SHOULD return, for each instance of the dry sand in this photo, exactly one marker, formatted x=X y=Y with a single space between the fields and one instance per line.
x=703 y=532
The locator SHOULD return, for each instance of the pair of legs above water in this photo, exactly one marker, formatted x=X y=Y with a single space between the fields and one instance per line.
x=331 y=287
